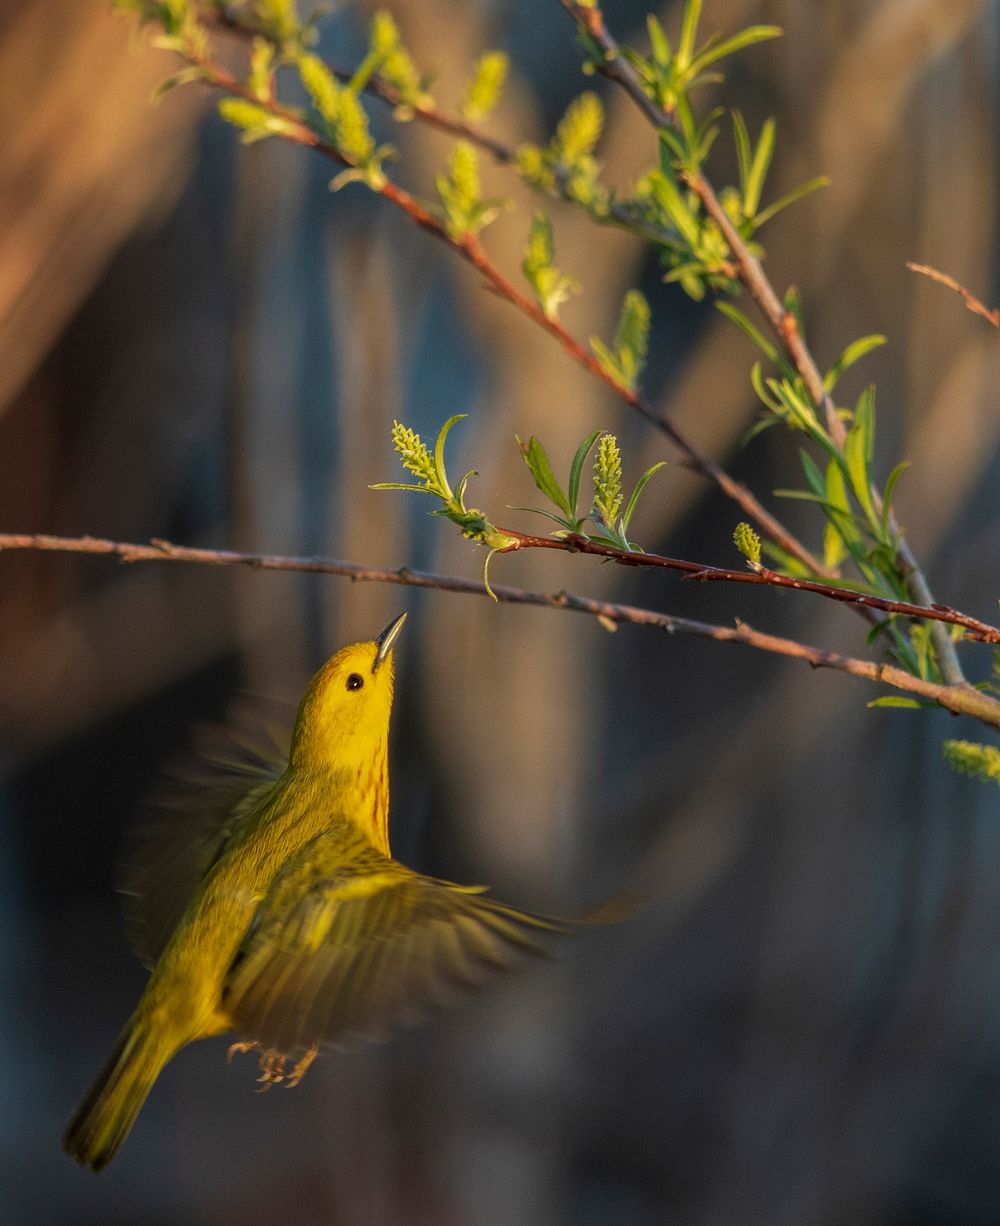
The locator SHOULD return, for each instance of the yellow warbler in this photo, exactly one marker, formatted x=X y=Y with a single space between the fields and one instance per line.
x=286 y=920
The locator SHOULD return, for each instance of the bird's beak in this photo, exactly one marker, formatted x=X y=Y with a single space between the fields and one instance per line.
x=386 y=639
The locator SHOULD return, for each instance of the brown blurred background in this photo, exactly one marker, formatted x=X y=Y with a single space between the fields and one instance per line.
x=201 y=343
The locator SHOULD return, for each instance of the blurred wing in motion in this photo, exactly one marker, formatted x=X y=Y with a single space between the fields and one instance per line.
x=349 y=944
x=191 y=819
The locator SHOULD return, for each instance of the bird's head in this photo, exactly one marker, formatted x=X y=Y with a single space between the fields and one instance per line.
x=343 y=719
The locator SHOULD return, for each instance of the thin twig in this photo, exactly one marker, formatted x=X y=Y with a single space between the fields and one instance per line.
x=960 y=700
x=971 y=301
x=977 y=630
x=783 y=324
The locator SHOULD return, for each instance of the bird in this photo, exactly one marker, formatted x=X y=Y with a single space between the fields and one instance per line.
x=283 y=917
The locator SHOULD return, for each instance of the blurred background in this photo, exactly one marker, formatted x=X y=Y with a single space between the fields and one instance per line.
x=200 y=342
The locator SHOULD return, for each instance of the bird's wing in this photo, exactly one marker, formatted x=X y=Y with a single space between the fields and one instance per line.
x=345 y=951
x=190 y=820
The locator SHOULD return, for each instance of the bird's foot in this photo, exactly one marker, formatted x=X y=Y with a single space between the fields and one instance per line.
x=239 y=1049
x=272 y=1069
x=301 y=1068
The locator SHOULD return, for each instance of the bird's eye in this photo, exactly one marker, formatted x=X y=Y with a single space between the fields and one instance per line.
x=355 y=681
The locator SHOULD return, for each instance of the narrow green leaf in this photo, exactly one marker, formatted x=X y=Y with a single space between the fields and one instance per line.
x=786 y=562
x=658 y=42
x=439 y=466
x=633 y=501
x=897 y=700
x=398 y=485
x=749 y=330
x=606 y=359
x=728 y=46
x=576 y=469
x=834 y=548
x=754 y=185
x=744 y=155
x=796 y=194
x=675 y=206
x=858 y=453
x=764 y=422
x=461 y=487
x=854 y=352
x=800 y=495
x=813 y=475
x=890 y=486
x=556 y=519
x=758 y=384
x=689 y=31
x=541 y=470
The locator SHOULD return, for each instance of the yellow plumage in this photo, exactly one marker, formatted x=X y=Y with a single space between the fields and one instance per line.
x=284 y=918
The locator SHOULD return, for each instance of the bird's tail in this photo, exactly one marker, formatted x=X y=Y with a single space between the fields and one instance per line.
x=104 y=1118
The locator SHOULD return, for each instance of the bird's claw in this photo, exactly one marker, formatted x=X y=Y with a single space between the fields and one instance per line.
x=301 y=1068
x=239 y=1049
x=272 y=1064
x=272 y=1070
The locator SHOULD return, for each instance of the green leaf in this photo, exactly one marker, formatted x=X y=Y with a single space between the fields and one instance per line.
x=545 y=479
x=606 y=359
x=834 y=548
x=897 y=700
x=813 y=475
x=890 y=486
x=796 y=194
x=183 y=77
x=744 y=155
x=853 y=353
x=658 y=43
x=399 y=485
x=576 y=469
x=675 y=206
x=754 y=183
x=556 y=519
x=749 y=330
x=787 y=562
x=439 y=451
x=728 y=46
x=859 y=451
x=633 y=501
x=689 y=31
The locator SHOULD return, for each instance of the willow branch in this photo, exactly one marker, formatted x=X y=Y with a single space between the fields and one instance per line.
x=960 y=700
x=783 y=324
x=432 y=116
x=975 y=629
x=975 y=305
x=468 y=247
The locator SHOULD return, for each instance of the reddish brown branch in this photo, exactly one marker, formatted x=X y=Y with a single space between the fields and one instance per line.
x=971 y=301
x=961 y=700
x=975 y=629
